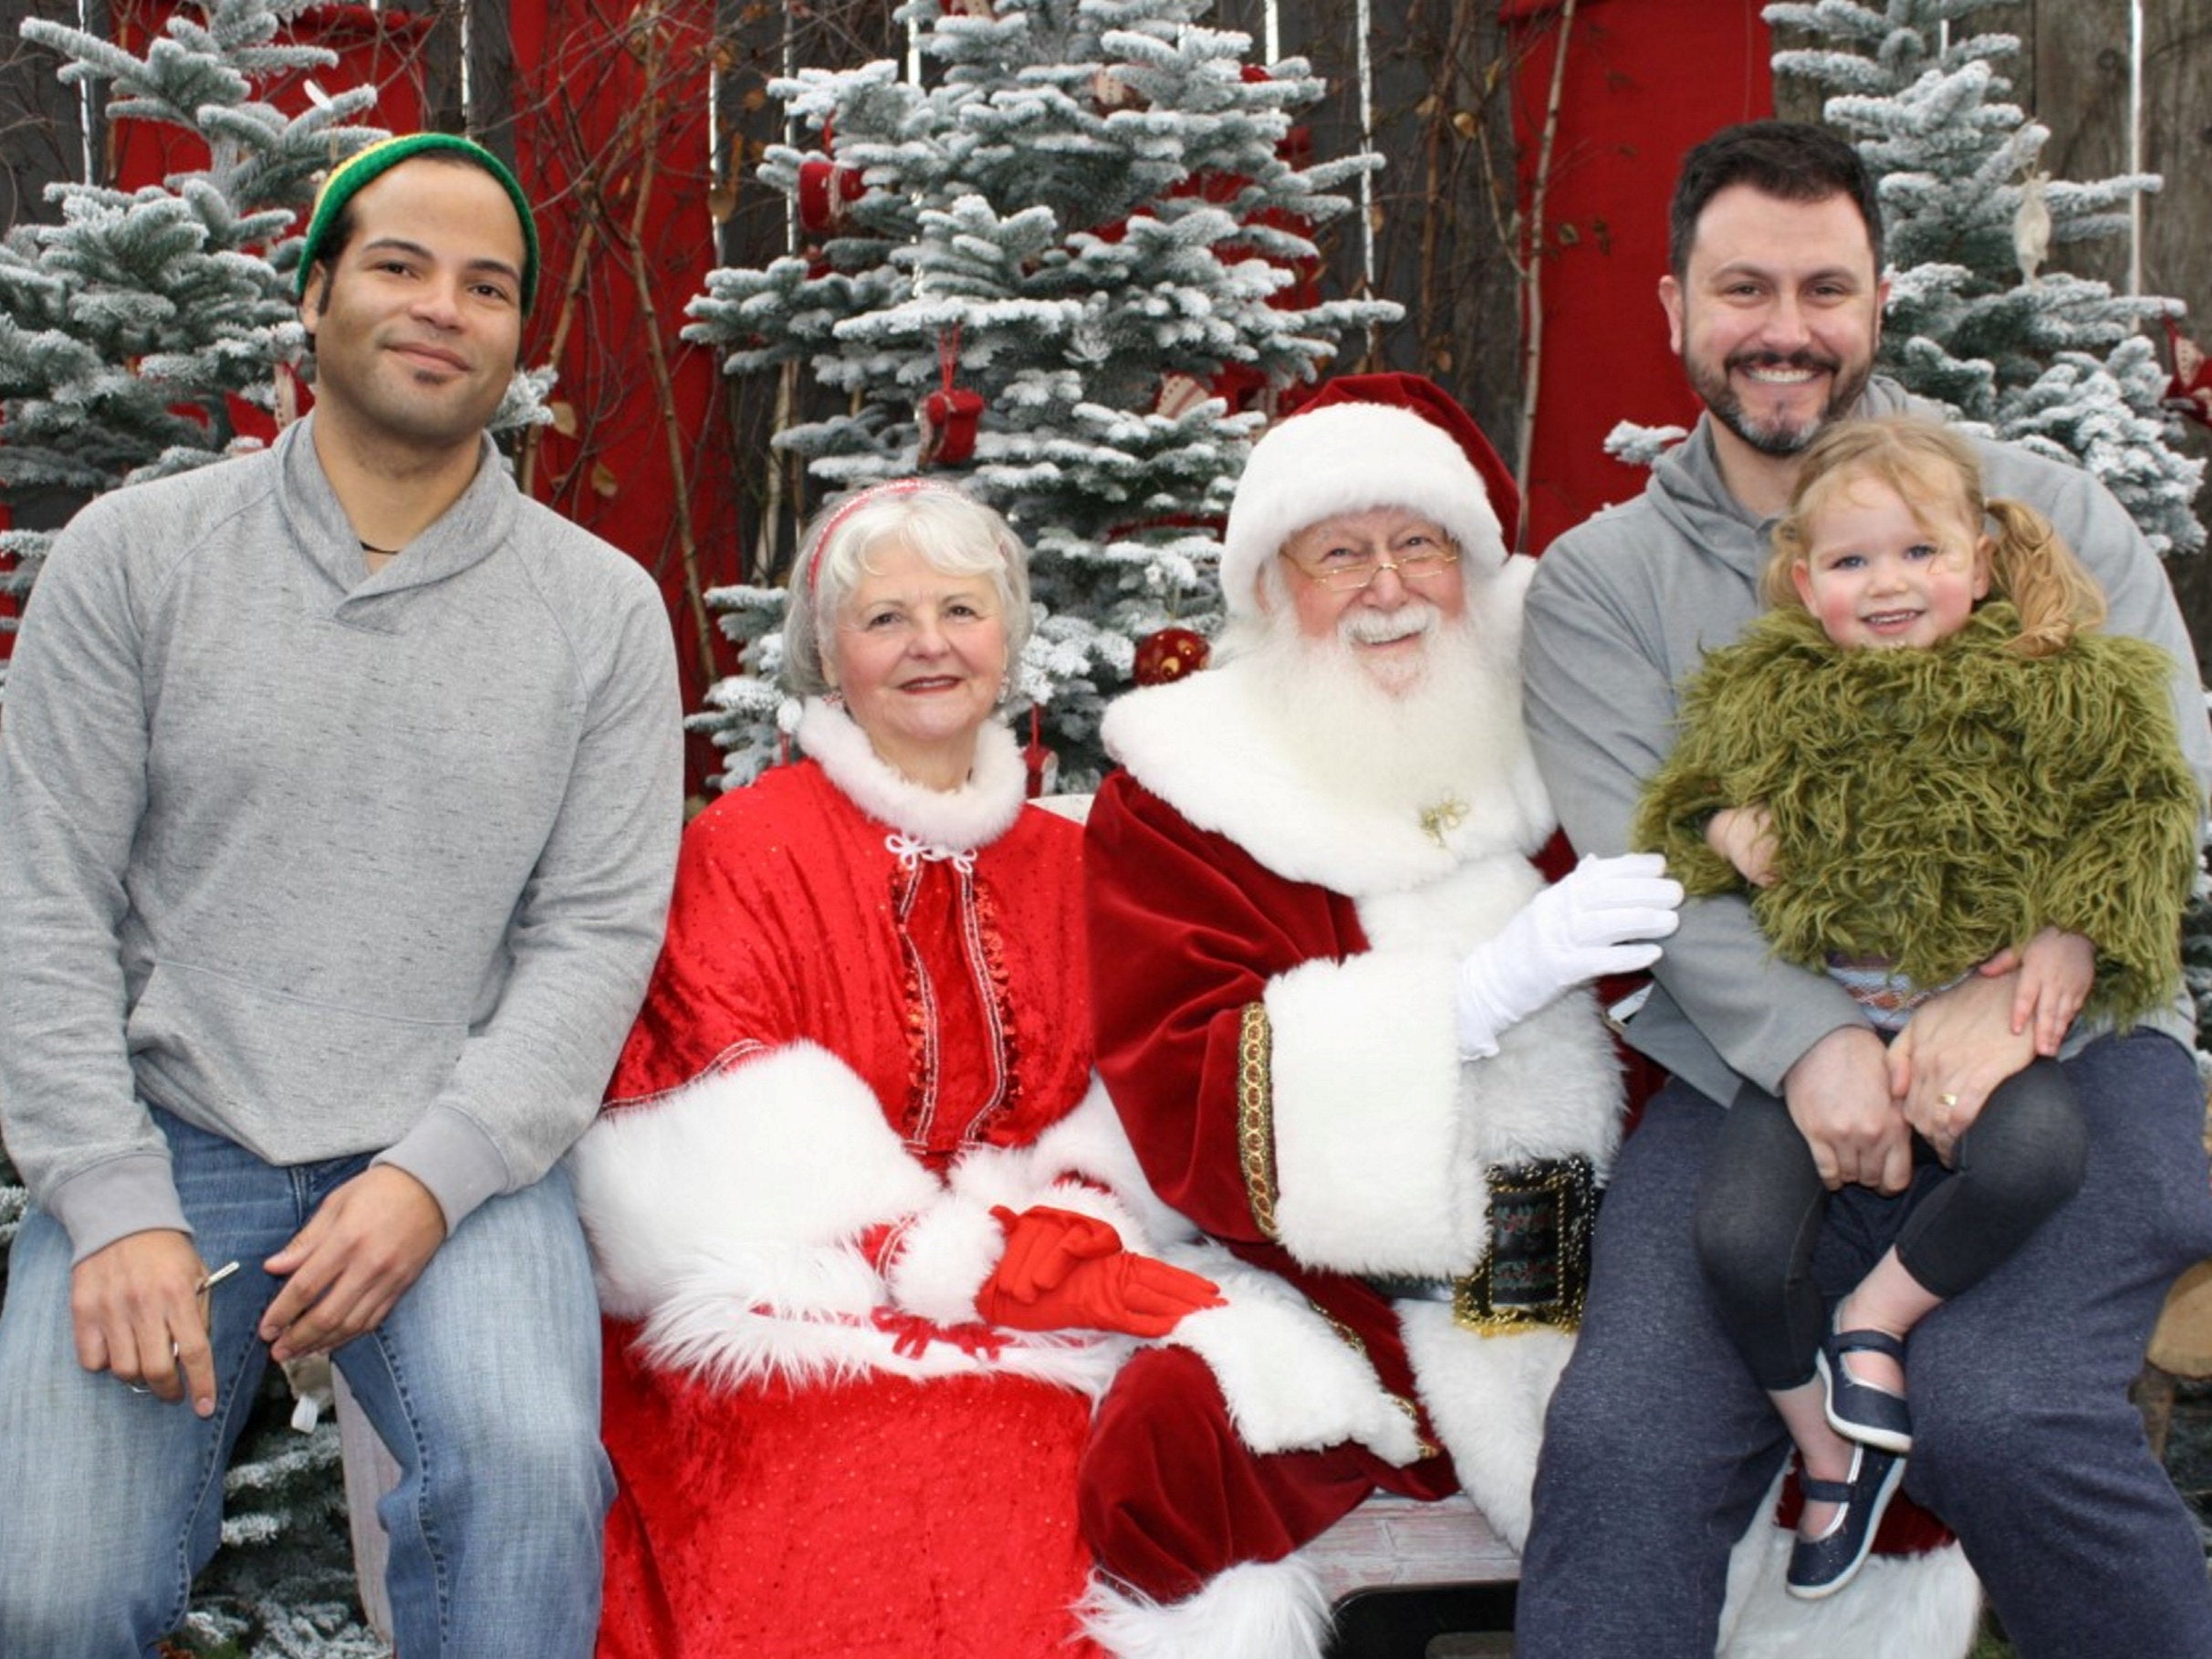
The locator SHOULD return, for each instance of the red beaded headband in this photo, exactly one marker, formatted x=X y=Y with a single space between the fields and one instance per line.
x=865 y=498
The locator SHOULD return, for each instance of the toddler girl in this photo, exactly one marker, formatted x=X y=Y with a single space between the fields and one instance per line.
x=1923 y=762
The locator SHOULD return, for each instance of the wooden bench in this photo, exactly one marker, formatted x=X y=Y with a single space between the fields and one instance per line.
x=1401 y=1573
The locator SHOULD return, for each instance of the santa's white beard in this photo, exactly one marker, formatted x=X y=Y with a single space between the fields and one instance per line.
x=1402 y=732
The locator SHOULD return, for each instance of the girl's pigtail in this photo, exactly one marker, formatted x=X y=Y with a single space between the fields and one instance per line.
x=2032 y=567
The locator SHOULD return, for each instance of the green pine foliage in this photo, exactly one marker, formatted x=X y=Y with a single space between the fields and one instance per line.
x=13 y=1201
x=1084 y=215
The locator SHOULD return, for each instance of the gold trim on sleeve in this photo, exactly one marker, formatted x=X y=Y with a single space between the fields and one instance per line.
x=1255 y=1116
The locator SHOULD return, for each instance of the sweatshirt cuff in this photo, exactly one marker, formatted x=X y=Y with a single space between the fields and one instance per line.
x=449 y=1152
x=133 y=1194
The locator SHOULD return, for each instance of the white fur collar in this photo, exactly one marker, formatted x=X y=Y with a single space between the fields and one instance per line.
x=959 y=820
x=1207 y=748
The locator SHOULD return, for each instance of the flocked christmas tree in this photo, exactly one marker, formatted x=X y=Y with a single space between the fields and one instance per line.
x=2050 y=361
x=1073 y=268
x=2057 y=362
x=141 y=336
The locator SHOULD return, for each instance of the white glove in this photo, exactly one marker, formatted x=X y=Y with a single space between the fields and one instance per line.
x=1600 y=918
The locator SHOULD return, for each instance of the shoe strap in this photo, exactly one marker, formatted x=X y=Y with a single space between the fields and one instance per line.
x=1820 y=1491
x=1868 y=1341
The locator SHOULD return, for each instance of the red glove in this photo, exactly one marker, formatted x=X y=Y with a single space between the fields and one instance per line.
x=1044 y=1245
x=1063 y=1271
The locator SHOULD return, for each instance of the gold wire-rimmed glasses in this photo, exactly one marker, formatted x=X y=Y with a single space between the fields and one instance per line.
x=1347 y=572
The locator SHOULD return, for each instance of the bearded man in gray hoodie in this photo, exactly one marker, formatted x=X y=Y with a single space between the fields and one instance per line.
x=1660 y=1446
x=339 y=788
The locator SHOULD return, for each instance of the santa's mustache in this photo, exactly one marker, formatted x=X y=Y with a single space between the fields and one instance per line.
x=1365 y=627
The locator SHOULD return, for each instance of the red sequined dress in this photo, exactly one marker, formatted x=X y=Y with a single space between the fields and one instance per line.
x=868 y=1026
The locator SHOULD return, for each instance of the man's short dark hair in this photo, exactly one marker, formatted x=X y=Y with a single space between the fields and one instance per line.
x=1796 y=160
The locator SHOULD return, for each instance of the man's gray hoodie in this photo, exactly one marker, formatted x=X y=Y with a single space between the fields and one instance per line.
x=324 y=862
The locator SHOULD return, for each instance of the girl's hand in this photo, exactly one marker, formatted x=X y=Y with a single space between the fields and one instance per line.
x=2057 y=970
x=1745 y=836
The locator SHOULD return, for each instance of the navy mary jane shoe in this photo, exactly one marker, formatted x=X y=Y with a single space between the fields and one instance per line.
x=1859 y=1411
x=1821 y=1566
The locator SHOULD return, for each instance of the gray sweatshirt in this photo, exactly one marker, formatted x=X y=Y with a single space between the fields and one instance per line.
x=1621 y=611
x=321 y=861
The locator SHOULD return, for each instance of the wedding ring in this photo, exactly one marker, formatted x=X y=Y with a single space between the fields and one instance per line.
x=1947 y=1100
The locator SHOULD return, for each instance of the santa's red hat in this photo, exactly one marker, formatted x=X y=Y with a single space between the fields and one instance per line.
x=1365 y=441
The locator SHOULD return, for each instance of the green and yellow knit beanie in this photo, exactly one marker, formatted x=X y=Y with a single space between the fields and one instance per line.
x=363 y=167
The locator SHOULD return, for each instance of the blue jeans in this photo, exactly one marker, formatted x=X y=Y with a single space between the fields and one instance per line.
x=484 y=1382
x=1660 y=1445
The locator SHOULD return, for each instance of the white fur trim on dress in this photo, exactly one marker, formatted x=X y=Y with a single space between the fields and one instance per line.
x=1899 y=1607
x=787 y=1150
x=1255 y=1609
x=1487 y=1396
x=1083 y=1163
x=836 y=1325
x=1209 y=747
x=1292 y=1383
x=959 y=820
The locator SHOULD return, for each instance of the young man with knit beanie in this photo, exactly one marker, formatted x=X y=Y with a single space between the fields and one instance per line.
x=340 y=788
x=1342 y=1018
x=1661 y=1445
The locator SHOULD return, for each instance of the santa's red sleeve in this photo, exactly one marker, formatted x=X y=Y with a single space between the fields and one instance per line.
x=1283 y=1080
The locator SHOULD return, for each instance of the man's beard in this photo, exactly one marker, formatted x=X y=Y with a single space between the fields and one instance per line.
x=1777 y=438
x=1405 y=732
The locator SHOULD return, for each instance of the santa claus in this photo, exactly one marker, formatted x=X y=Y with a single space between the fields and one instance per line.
x=1348 y=1029
x=1340 y=1015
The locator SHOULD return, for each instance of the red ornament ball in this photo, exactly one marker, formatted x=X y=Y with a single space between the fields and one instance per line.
x=1172 y=653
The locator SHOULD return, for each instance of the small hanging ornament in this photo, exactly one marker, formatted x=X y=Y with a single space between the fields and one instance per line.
x=1179 y=395
x=248 y=419
x=967 y=8
x=1042 y=763
x=2189 y=392
x=1110 y=92
x=948 y=416
x=2031 y=226
x=827 y=191
x=1170 y=654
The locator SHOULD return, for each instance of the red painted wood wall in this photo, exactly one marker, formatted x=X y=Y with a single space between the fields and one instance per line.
x=1645 y=80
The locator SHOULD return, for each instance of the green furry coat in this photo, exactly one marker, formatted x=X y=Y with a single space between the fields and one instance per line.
x=1933 y=806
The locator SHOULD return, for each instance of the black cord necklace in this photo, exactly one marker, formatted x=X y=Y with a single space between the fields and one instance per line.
x=369 y=547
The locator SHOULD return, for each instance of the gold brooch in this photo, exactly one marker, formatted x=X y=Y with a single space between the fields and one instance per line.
x=1441 y=819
